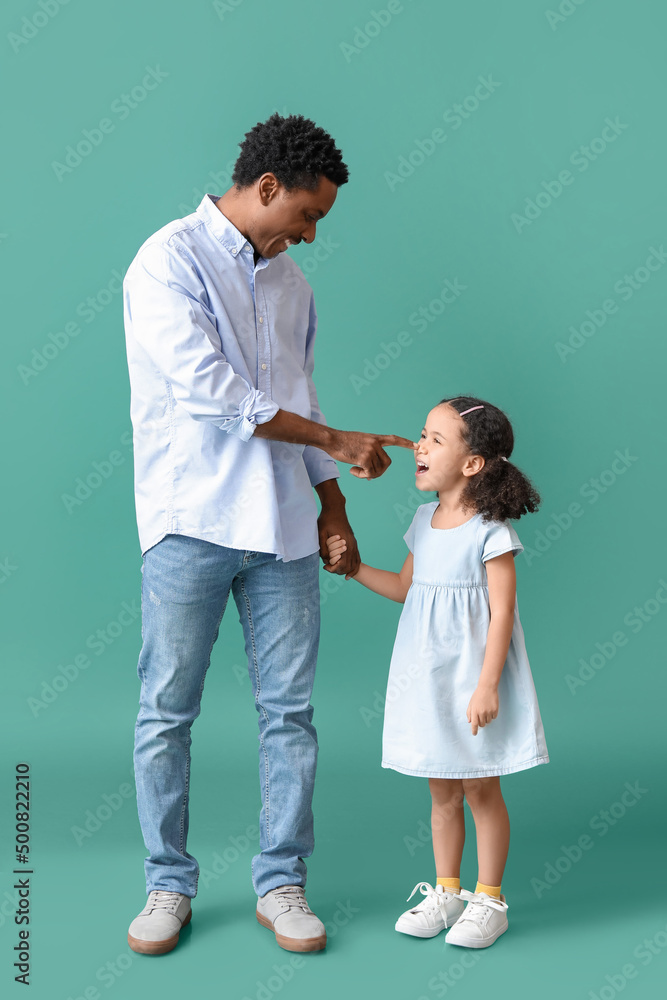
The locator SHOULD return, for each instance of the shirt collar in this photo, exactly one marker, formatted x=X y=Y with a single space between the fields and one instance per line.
x=224 y=230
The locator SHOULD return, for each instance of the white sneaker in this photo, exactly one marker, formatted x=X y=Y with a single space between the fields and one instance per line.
x=440 y=909
x=155 y=930
x=285 y=912
x=484 y=919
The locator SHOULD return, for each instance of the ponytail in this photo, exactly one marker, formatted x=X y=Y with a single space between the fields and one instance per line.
x=499 y=491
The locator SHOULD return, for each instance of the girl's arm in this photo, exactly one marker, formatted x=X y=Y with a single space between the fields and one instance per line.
x=501 y=576
x=395 y=586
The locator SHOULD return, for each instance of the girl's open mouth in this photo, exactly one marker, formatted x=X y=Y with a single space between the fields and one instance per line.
x=421 y=468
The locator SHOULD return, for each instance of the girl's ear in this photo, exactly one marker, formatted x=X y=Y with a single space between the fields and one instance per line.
x=473 y=465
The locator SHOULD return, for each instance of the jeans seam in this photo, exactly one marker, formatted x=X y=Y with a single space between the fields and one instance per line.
x=258 y=686
x=140 y=671
x=187 y=749
x=181 y=841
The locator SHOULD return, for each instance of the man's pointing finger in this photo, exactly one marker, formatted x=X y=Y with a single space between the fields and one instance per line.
x=394 y=440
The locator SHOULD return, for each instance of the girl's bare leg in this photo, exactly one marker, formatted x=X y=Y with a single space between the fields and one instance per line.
x=447 y=825
x=492 y=825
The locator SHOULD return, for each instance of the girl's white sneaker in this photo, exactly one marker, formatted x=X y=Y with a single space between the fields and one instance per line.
x=484 y=919
x=439 y=909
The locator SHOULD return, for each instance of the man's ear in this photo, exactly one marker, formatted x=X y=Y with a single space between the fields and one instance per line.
x=268 y=187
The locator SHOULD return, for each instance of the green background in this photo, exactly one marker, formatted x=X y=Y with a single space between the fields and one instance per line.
x=66 y=573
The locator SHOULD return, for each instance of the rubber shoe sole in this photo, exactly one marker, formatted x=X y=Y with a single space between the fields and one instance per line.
x=420 y=932
x=424 y=932
x=476 y=943
x=157 y=947
x=293 y=944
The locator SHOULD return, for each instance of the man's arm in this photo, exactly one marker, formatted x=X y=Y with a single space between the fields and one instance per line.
x=333 y=521
x=364 y=452
x=165 y=316
x=330 y=494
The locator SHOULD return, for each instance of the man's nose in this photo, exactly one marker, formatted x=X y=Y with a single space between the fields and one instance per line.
x=308 y=235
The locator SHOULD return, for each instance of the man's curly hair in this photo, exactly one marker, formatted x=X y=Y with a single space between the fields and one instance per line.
x=295 y=149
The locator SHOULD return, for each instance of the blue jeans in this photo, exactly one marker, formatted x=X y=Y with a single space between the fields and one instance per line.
x=184 y=592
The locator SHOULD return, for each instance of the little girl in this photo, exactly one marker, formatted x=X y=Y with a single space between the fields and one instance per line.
x=466 y=709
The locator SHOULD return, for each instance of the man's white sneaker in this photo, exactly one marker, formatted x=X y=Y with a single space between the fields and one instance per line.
x=285 y=912
x=440 y=909
x=155 y=930
x=483 y=920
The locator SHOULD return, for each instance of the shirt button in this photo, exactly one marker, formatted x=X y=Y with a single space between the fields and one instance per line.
x=261 y=319
x=263 y=368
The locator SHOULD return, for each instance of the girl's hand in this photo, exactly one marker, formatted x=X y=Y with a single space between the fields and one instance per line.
x=336 y=546
x=482 y=707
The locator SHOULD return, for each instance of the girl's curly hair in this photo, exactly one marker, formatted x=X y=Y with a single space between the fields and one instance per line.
x=499 y=491
x=295 y=149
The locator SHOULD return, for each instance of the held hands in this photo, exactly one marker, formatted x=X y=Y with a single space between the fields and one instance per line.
x=482 y=707
x=337 y=548
x=333 y=522
x=365 y=452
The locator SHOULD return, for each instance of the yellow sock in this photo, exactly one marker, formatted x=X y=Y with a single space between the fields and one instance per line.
x=490 y=890
x=453 y=884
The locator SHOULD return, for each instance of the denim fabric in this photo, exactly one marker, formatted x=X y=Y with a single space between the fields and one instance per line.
x=185 y=588
x=438 y=655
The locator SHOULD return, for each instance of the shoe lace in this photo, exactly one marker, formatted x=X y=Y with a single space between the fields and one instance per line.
x=292 y=895
x=162 y=899
x=433 y=900
x=478 y=903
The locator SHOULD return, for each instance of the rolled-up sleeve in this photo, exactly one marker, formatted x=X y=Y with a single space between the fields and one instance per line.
x=166 y=310
x=319 y=465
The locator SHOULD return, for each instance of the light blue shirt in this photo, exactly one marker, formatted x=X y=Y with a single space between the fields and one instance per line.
x=215 y=345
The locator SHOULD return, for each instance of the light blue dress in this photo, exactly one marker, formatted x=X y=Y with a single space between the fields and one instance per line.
x=438 y=656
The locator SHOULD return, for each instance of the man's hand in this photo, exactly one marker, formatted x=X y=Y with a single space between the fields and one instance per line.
x=333 y=521
x=345 y=559
x=365 y=452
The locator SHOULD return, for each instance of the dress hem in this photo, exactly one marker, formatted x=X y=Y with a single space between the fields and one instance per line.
x=479 y=773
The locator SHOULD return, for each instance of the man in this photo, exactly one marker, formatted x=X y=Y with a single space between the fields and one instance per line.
x=229 y=441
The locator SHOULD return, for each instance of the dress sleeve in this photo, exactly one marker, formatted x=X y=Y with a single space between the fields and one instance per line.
x=496 y=538
x=409 y=535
